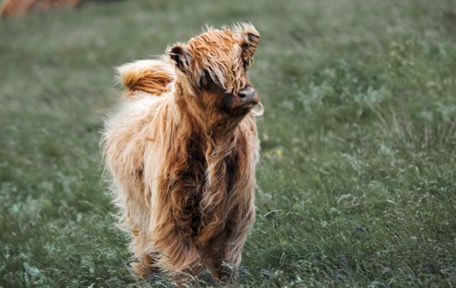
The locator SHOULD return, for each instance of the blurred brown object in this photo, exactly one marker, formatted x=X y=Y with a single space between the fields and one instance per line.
x=16 y=7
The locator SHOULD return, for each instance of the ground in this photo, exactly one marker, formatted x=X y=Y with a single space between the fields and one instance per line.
x=357 y=177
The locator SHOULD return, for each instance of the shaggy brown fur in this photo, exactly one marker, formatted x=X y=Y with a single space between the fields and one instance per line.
x=182 y=151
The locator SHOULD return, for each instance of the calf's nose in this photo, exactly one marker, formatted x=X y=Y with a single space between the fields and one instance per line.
x=248 y=95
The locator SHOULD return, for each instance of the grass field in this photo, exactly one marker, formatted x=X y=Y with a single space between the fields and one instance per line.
x=357 y=179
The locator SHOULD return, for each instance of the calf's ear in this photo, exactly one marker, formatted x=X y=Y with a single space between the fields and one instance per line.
x=250 y=41
x=181 y=57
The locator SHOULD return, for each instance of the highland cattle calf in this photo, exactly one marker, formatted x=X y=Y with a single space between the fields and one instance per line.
x=182 y=150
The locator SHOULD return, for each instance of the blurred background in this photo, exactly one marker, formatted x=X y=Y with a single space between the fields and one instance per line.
x=357 y=177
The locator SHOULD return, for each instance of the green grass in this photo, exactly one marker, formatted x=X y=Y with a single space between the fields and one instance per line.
x=357 y=177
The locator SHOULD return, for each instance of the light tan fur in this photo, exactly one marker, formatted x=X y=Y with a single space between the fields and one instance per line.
x=182 y=153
